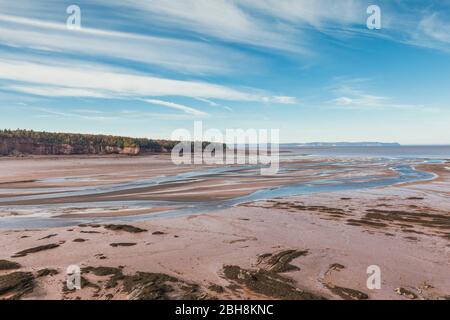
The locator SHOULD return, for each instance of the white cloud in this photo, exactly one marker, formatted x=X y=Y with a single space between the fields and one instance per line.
x=355 y=98
x=79 y=81
x=222 y=19
x=53 y=91
x=163 y=52
x=214 y=104
x=95 y=115
x=48 y=112
x=315 y=13
x=273 y=24
x=284 y=100
x=177 y=106
x=436 y=28
x=210 y=102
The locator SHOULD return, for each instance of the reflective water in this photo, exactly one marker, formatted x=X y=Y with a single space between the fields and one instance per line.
x=404 y=169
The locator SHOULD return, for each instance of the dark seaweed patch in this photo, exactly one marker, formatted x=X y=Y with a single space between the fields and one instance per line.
x=49 y=236
x=46 y=273
x=406 y=293
x=9 y=265
x=124 y=244
x=280 y=262
x=14 y=285
x=347 y=294
x=124 y=227
x=267 y=283
x=35 y=249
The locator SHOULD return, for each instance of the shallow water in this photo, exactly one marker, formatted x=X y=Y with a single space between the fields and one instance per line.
x=41 y=216
x=397 y=152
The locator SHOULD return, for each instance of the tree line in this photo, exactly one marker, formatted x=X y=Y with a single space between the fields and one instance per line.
x=86 y=140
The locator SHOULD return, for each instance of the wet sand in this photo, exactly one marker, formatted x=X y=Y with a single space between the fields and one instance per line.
x=300 y=247
x=69 y=180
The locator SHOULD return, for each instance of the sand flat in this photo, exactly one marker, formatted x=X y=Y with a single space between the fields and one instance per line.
x=404 y=229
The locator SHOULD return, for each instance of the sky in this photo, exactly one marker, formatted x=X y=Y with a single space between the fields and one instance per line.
x=310 y=68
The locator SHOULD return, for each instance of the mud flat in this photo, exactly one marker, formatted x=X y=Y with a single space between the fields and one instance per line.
x=50 y=181
x=315 y=246
x=198 y=251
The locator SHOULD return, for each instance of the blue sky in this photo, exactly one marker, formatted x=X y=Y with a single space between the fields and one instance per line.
x=309 y=68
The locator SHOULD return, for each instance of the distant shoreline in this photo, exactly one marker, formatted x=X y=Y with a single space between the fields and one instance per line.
x=27 y=142
x=348 y=144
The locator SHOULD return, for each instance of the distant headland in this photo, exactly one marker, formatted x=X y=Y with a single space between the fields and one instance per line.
x=347 y=144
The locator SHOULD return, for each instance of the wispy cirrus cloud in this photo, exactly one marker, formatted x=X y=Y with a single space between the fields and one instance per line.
x=220 y=19
x=54 y=91
x=283 y=25
x=286 y=25
x=379 y=102
x=161 y=52
x=314 y=13
x=436 y=27
x=433 y=32
x=176 y=106
x=213 y=104
x=46 y=46
x=79 y=81
x=350 y=94
x=193 y=57
x=96 y=115
x=367 y=101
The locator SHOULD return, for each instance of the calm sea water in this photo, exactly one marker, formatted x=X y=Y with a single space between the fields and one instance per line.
x=433 y=152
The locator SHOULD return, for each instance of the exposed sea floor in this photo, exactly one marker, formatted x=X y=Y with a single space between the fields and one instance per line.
x=316 y=175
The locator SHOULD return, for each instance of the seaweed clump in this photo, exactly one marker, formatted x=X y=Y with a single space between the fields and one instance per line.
x=35 y=249
x=347 y=293
x=147 y=286
x=344 y=293
x=124 y=227
x=15 y=285
x=9 y=265
x=267 y=280
x=267 y=283
x=280 y=262
x=46 y=273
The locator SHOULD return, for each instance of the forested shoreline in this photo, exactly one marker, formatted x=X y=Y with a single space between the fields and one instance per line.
x=29 y=142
